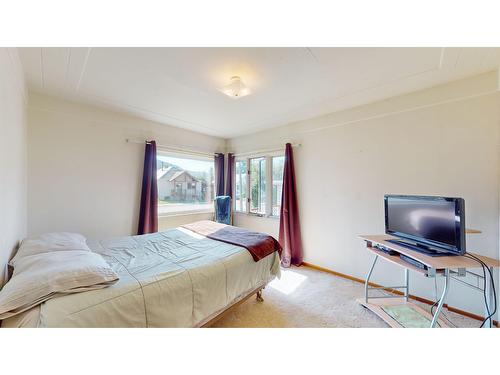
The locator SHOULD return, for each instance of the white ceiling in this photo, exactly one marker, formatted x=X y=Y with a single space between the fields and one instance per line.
x=180 y=86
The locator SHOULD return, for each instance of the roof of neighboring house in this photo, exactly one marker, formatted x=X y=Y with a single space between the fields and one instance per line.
x=180 y=173
x=176 y=174
x=172 y=173
x=162 y=172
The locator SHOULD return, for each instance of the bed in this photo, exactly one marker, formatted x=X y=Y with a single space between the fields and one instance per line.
x=175 y=278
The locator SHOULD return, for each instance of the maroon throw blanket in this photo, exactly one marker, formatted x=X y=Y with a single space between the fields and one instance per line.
x=259 y=245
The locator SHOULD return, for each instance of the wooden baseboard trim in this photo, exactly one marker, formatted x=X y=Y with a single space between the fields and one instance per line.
x=416 y=298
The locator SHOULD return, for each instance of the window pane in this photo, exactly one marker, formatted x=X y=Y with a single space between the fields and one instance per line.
x=184 y=184
x=240 y=194
x=278 y=164
x=258 y=185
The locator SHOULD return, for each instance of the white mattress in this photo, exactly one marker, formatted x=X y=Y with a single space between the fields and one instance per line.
x=175 y=278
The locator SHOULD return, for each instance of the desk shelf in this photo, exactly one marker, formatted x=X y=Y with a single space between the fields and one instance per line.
x=437 y=263
x=397 y=260
x=376 y=306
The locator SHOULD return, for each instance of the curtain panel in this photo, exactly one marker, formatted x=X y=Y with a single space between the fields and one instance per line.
x=219 y=174
x=289 y=235
x=230 y=175
x=148 y=213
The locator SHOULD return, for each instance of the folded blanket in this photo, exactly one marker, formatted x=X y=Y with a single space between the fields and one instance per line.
x=259 y=245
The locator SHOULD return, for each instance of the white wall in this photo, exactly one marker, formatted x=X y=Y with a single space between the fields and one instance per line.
x=443 y=141
x=12 y=156
x=440 y=141
x=84 y=177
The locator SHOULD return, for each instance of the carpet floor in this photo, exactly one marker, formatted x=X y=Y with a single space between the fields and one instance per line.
x=305 y=297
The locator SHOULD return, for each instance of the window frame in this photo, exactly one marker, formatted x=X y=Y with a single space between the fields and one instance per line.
x=269 y=182
x=180 y=155
x=235 y=180
x=272 y=184
x=249 y=200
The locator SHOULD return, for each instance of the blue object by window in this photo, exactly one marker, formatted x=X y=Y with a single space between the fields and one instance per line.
x=223 y=209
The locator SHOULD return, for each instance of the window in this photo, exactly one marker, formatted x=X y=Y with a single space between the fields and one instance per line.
x=241 y=190
x=278 y=163
x=185 y=185
x=258 y=185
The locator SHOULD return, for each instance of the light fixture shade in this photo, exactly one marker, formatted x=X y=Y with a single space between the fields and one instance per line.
x=236 y=89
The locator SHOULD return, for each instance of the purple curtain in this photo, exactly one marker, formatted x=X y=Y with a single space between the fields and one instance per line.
x=230 y=175
x=148 y=214
x=290 y=237
x=219 y=174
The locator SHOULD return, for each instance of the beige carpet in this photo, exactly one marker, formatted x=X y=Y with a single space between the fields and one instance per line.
x=305 y=297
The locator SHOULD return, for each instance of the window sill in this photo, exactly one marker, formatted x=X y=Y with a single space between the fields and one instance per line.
x=261 y=216
x=185 y=213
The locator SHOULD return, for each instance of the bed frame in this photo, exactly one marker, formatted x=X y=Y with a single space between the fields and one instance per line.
x=220 y=314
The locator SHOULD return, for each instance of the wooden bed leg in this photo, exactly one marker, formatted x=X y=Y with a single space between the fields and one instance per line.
x=259 y=296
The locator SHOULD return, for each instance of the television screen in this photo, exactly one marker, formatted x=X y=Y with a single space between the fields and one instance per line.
x=433 y=221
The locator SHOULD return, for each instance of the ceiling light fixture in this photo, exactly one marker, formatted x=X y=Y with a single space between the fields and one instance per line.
x=236 y=89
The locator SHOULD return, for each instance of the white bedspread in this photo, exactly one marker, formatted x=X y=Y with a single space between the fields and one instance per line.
x=174 y=278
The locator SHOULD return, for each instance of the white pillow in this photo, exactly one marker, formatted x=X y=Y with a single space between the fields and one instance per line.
x=40 y=277
x=58 y=241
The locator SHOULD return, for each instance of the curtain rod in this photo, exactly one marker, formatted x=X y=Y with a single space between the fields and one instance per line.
x=173 y=149
x=256 y=152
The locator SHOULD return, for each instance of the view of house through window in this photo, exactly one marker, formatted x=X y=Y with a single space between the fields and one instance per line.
x=184 y=184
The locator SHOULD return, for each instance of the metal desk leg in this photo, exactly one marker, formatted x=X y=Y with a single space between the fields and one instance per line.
x=407 y=284
x=368 y=277
x=443 y=296
x=490 y=299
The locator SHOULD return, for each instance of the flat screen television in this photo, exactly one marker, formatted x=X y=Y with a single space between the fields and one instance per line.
x=434 y=225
